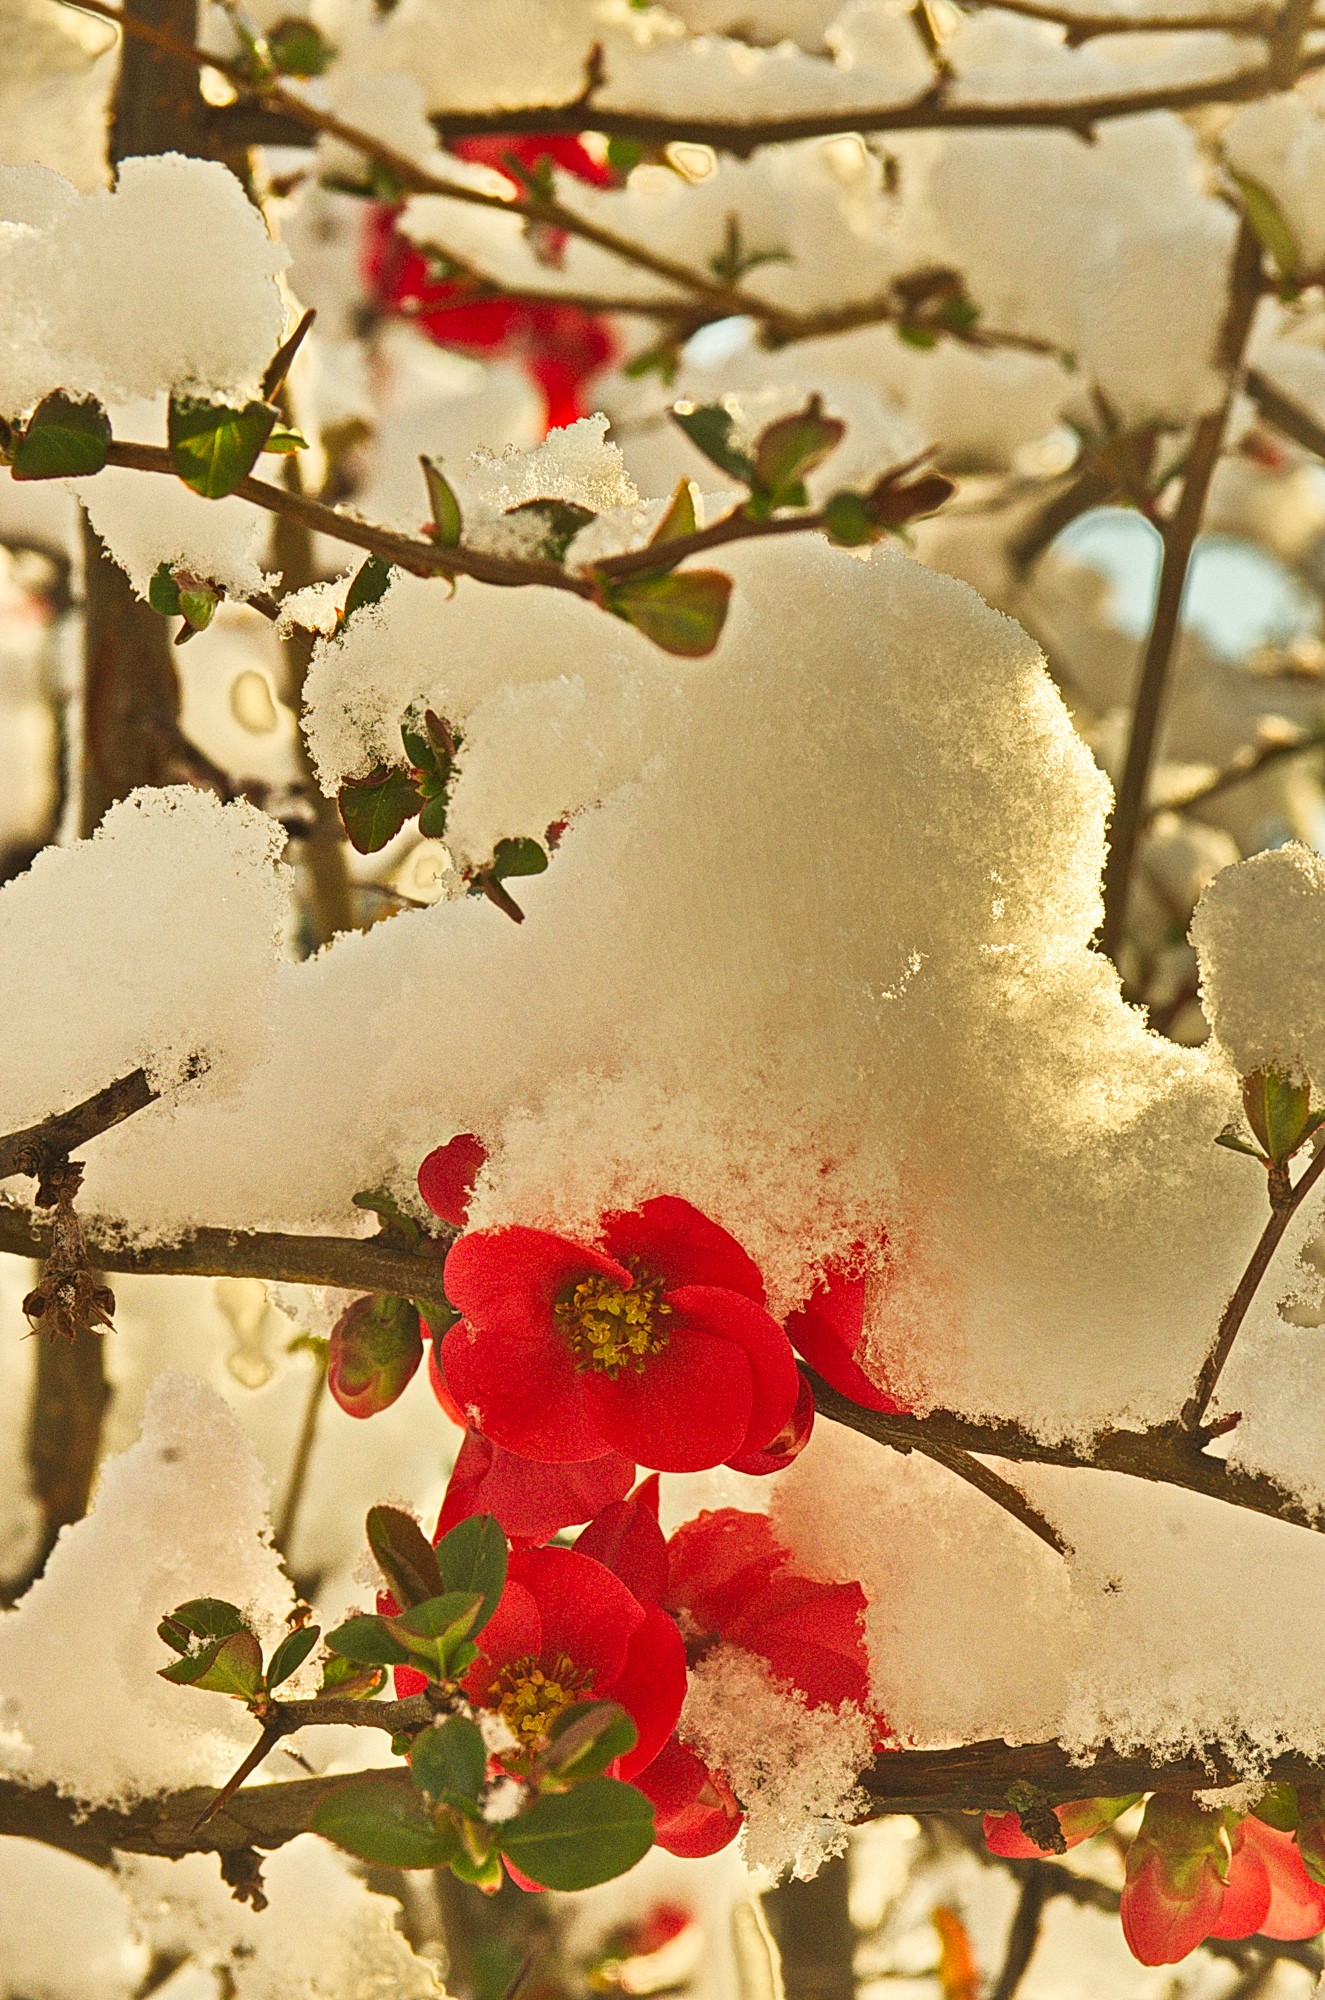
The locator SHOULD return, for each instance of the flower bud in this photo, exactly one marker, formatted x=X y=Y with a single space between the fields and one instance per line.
x=375 y=1347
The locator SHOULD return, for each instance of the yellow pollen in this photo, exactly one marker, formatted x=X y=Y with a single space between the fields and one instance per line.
x=611 y=1328
x=531 y=1699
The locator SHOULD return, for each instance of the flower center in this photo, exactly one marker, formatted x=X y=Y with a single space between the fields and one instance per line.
x=530 y=1698
x=610 y=1327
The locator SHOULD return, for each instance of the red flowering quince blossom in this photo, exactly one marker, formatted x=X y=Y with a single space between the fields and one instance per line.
x=1194 y=1873
x=567 y=1630
x=653 y=1342
x=531 y=1500
x=828 y=1331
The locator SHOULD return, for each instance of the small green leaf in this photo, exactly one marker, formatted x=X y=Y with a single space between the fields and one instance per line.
x=1278 y=1807
x=369 y=1642
x=163 y=591
x=584 y=1739
x=517 y=857
x=432 y=820
x=374 y=809
x=473 y=1556
x=1278 y=1109
x=558 y=522
x=368 y=587
x=209 y=1617
x=406 y=1558
x=576 y=1839
x=351 y=1680
x=451 y=1614
x=484 y=1871
x=848 y=521
x=213 y=446
x=683 y=611
x=623 y=153
x=230 y=1666
x=381 y=1817
x=447 y=525
x=917 y=336
x=197 y=605
x=380 y=1201
x=679 y=520
x=283 y=440
x=64 y=438
x=1232 y=1138
x=709 y=428
x=1267 y=219
x=290 y=1655
x=298 y=48
x=449 y=1763
x=791 y=448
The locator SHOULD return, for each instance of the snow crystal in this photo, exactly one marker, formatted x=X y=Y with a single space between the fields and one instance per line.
x=114 y=294
x=793 y=1767
x=1259 y=931
x=324 y=1935
x=182 y=1514
x=149 y=944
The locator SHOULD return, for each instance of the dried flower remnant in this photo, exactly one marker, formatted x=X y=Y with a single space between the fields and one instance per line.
x=67 y=1300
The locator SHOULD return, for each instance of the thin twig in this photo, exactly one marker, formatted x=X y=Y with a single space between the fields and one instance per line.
x=1023 y=1934
x=1286 y=415
x=32 y=1150
x=1247 y=764
x=1281 y=1214
x=1001 y=1491
x=283 y=1531
x=1179 y=534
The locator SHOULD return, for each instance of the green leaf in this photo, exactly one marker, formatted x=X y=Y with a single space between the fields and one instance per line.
x=197 y=605
x=432 y=820
x=213 y=446
x=374 y=809
x=369 y=1642
x=517 y=857
x=583 y=1741
x=209 y=1618
x=281 y=361
x=350 y=1679
x=848 y=521
x=1278 y=1109
x=64 y=438
x=576 y=1839
x=484 y=1871
x=368 y=587
x=290 y=1655
x=449 y=1763
x=451 y=1615
x=679 y=520
x=163 y=591
x=380 y=1201
x=623 y=153
x=1232 y=1138
x=228 y=1666
x=447 y=525
x=1278 y=1807
x=381 y=1817
x=1267 y=219
x=791 y=448
x=283 y=440
x=709 y=428
x=473 y=1556
x=683 y=611
x=406 y=1558
x=559 y=522
x=298 y=48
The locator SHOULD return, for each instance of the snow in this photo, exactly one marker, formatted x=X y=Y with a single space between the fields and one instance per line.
x=91 y=1953
x=1259 y=930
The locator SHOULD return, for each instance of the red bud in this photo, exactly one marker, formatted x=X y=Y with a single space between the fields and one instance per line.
x=376 y=1345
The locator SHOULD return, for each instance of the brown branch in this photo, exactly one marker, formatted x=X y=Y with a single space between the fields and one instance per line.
x=352 y=1264
x=36 y=1147
x=1286 y=415
x=1166 y=1455
x=1001 y=1491
x=1178 y=534
x=1247 y=764
x=1281 y=1214
x=1023 y=1933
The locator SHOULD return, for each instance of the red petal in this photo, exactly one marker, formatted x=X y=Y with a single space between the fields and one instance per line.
x=1246 y=1894
x=526 y=1395
x=585 y=1612
x=1297 y=1904
x=676 y=1242
x=688 y=1409
x=787 y=1446
x=447 y=1176
x=1003 y=1835
x=507 y=1281
x=514 y=1632
x=530 y=1498
x=437 y=1379
x=717 y=1562
x=650 y=1687
x=827 y=1330
x=695 y=1812
x=1160 y=1924
x=811 y=1635
x=625 y=1538
x=775 y=1378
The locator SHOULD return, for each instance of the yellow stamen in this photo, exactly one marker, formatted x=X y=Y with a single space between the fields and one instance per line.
x=610 y=1327
x=531 y=1699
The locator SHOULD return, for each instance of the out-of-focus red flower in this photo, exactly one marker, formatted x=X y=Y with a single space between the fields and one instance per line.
x=728 y=1578
x=567 y=1630
x=827 y=1331
x=1177 y=1869
x=1297 y=1902
x=653 y=1343
x=695 y=1810
x=1078 y=1821
x=559 y=346
x=530 y=1498
x=447 y=1177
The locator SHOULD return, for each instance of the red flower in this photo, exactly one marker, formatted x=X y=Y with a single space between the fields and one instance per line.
x=1296 y=1906
x=655 y=1345
x=447 y=1177
x=567 y=1630
x=530 y=1498
x=787 y=1446
x=828 y=1329
x=695 y=1811
x=728 y=1579
x=1077 y=1821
